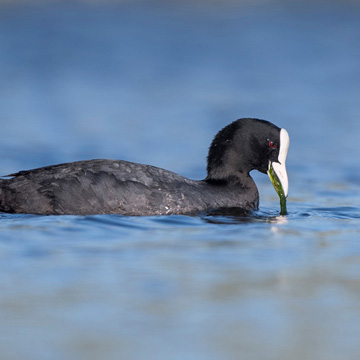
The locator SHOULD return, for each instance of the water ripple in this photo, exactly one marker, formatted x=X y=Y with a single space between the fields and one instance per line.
x=338 y=212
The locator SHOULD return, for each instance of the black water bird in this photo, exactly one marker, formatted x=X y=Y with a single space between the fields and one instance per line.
x=121 y=187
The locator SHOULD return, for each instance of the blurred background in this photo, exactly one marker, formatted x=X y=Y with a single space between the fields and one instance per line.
x=152 y=82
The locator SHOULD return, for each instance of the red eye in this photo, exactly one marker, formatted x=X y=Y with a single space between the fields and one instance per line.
x=272 y=145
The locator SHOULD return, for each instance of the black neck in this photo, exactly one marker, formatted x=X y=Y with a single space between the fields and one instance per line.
x=243 y=180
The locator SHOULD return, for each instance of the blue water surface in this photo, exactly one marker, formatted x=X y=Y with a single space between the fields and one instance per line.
x=152 y=82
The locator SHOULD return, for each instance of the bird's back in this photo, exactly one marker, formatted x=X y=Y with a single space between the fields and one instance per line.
x=111 y=187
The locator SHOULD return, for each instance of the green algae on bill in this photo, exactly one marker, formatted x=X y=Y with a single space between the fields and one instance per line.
x=279 y=189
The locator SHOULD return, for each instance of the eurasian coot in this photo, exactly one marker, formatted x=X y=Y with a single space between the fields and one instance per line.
x=121 y=187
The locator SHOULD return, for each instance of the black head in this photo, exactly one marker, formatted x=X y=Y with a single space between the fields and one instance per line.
x=242 y=146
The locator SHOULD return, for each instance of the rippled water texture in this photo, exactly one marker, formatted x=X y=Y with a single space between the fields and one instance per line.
x=153 y=82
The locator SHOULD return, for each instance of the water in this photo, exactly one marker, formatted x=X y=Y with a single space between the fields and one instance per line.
x=153 y=82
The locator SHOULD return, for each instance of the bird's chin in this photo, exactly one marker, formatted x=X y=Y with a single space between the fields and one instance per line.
x=264 y=170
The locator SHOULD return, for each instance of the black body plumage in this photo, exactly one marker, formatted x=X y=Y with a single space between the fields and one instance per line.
x=121 y=187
